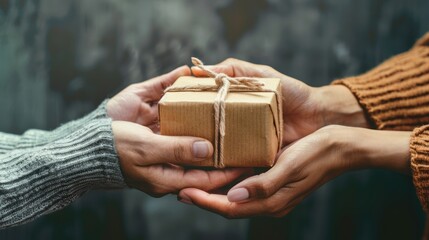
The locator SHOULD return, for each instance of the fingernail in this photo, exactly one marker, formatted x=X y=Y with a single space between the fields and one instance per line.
x=237 y=195
x=200 y=72
x=185 y=199
x=200 y=149
x=179 y=70
x=193 y=69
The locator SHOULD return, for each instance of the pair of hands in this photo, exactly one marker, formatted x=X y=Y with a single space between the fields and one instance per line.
x=151 y=162
x=325 y=134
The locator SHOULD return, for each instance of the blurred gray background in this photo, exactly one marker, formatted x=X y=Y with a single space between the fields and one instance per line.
x=60 y=58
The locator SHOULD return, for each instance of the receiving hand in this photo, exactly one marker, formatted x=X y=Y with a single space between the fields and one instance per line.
x=305 y=165
x=138 y=102
x=305 y=109
x=150 y=162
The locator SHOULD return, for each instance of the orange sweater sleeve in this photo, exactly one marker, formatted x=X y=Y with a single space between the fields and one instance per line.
x=419 y=150
x=395 y=96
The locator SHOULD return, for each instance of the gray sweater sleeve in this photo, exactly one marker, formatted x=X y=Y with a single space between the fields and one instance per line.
x=41 y=172
x=36 y=137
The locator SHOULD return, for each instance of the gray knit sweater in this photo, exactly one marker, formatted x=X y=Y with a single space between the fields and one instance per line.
x=43 y=171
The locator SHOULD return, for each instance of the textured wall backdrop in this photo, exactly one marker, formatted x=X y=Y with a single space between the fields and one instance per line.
x=60 y=59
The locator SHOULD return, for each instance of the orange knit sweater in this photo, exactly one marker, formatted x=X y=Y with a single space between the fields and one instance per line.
x=395 y=96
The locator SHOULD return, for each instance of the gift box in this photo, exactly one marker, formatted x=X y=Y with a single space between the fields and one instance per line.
x=252 y=120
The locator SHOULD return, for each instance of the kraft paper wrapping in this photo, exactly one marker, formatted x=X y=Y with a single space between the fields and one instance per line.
x=253 y=121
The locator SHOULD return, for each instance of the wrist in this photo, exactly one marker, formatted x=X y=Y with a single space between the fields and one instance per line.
x=366 y=148
x=338 y=105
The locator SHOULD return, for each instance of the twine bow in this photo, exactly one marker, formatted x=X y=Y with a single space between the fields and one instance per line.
x=224 y=84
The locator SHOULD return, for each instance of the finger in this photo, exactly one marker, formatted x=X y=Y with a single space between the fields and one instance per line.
x=173 y=178
x=277 y=205
x=212 y=179
x=147 y=114
x=177 y=150
x=211 y=202
x=151 y=119
x=226 y=69
x=220 y=204
x=244 y=69
x=153 y=89
x=287 y=208
x=238 y=68
x=266 y=184
x=154 y=127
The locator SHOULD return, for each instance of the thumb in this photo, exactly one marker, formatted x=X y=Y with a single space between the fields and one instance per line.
x=180 y=150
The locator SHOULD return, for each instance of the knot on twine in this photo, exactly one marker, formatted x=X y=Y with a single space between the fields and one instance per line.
x=224 y=81
x=224 y=84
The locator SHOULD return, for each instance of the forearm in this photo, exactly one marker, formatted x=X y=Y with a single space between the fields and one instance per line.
x=34 y=137
x=366 y=148
x=39 y=180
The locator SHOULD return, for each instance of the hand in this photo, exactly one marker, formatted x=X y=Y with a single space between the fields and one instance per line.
x=138 y=102
x=148 y=161
x=305 y=109
x=304 y=166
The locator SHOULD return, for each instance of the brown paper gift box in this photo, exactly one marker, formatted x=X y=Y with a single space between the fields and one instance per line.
x=253 y=121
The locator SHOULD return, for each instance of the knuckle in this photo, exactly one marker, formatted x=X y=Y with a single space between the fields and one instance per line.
x=154 y=190
x=132 y=86
x=179 y=153
x=141 y=152
x=272 y=207
x=265 y=70
x=156 y=193
x=231 y=60
x=262 y=190
x=230 y=212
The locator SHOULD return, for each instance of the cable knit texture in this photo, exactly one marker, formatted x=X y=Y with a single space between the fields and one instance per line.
x=43 y=171
x=395 y=96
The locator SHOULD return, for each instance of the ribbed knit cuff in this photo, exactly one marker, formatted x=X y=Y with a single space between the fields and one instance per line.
x=419 y=149
x=39 y=180
x=35 y=137
x=394 y=94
